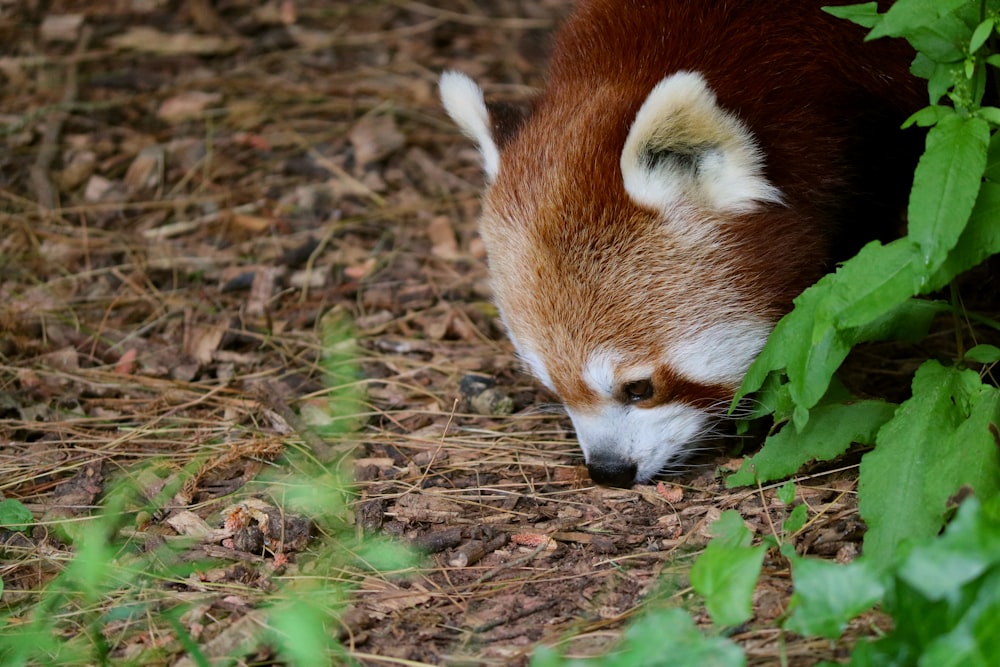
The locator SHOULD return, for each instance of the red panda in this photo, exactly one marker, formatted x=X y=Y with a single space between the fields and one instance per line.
x=689 y=168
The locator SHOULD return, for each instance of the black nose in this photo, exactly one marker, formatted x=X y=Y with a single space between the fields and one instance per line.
x=611 y=471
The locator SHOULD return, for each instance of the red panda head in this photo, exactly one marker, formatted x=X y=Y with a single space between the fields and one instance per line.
x=628 y=240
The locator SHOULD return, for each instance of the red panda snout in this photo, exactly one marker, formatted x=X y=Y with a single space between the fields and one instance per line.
x=687 y=171
x=612 y=471
x=635 y=415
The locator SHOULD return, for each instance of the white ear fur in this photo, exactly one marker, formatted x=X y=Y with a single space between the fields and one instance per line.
x=463 y=100
x=683 y=148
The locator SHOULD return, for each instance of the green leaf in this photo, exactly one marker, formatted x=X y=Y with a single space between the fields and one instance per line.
x=938 y=441
x=729 y=530
x=384 y=555
x=907 y=16
x=299 y=628
x=923 y=67
x=786 y=493
x=991 y=115
x=828 y=595
x=671 y=638
x=946 y=184
x=981 y=34
x=984 y=354
x=796 y=520
x=944 y=40
x=830 y=431
x=725 y=577
x=15 y=516
x=877 y=279
x=929 y=115
x=974 y=641
x=865 y=14
x=773 y=398
x=941 y=78
x=980 y=240
x=809 y=347
x=969 y=547
x=546 y=656
x=726 y=573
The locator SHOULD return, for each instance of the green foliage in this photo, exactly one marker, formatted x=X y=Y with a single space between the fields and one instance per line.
x=796 y=520
x=946 y=184
x=940 y=439
x=726 y=573
x=15 y=516
x=945 y=598
x=983 y=354
x=830 y=431
x=828 y=595
x=666 y=638
x=806 y=348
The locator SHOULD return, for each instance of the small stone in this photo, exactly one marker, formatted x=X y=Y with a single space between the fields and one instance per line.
x=492 y=402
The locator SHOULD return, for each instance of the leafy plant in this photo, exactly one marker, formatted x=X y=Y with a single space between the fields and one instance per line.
x=942 y=438
x=944 y=597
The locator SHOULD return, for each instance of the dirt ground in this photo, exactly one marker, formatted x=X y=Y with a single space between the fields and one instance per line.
x=187 y=189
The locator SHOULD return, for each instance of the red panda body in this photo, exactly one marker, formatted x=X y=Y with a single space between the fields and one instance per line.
x=689 y=168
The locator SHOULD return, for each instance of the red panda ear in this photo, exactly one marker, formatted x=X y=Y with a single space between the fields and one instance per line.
x=463 y=100
x=685 y=150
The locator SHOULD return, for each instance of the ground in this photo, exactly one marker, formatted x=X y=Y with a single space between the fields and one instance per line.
x=190 y=194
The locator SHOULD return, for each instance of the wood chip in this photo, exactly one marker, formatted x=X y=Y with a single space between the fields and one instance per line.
x=151 y=40
x=385 y=597
x=426 y=507
x=186 y=106
x=375 y=138
x=473 y=551
x=442 y=236
x=534 y=540
x=61 y=27
x=672 y=493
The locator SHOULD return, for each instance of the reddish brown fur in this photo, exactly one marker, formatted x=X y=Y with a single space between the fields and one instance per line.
x=601 y=273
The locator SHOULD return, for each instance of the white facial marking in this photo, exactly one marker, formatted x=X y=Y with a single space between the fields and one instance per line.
x=537 y=367
x=529 y=357
x=600 y=372
x=463 y=100
x=720 y=353
x=651 y=438
x=684 y=149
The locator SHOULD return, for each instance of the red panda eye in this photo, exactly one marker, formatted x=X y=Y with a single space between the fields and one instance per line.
x=639 y=390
